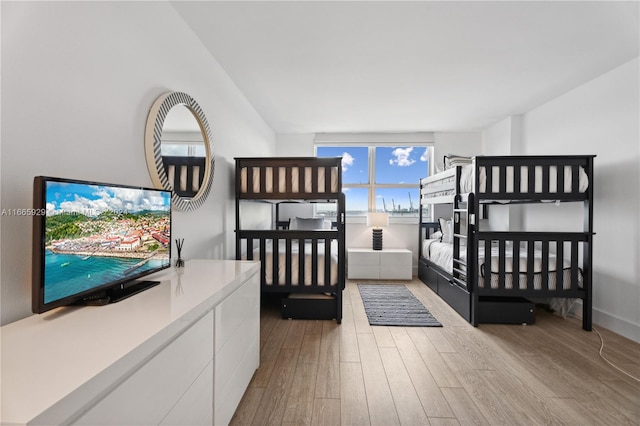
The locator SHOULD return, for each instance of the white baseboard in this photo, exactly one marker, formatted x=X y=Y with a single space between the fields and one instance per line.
x=611 y=322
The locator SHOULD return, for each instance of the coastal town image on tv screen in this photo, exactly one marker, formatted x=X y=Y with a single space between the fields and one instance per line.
x=98 y=234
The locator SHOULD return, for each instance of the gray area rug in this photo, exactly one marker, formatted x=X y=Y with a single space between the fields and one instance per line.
x=394 y=304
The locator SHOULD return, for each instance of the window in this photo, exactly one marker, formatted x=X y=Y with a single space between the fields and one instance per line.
x=380 y=178
x=183 y=144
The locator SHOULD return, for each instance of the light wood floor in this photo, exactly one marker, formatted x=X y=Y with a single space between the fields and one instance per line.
x=321 y=373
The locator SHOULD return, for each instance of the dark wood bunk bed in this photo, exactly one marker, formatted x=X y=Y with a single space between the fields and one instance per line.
x=308 y=267
x=499 y=290
x=185 y=174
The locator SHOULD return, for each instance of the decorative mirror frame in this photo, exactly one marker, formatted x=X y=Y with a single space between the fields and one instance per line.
x=153 y=143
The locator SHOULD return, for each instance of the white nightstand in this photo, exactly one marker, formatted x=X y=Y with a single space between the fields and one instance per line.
x=386 y=264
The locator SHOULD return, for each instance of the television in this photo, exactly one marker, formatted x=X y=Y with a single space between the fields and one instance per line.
x=92 y=242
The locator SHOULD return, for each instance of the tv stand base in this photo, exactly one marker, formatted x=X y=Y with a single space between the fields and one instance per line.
x=117 y=294
x=129 y=289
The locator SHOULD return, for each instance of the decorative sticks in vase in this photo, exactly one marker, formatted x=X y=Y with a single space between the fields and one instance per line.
x=179 y=261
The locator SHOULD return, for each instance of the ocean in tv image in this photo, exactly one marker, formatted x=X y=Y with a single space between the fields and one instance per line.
x=98 y=234
x=67 y=274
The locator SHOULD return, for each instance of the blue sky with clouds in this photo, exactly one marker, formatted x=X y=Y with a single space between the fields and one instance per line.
x=92 y=199
x=393 y=165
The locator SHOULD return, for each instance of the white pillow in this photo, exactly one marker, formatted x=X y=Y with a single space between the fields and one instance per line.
x=306 y=223
x=452 y=160
x=446 y=227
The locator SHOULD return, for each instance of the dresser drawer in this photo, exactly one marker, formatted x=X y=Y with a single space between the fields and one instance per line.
x=396 y=259
x=237 y=349
x=199 y=394
x=396 y=264
x=149 y=394
x=233 y=311
x=387 y=264
x=234 y=367
x=371 y=272
x=364 y=258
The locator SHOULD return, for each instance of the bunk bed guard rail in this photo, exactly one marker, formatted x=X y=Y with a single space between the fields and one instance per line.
x=563 y=177
x=289 y=178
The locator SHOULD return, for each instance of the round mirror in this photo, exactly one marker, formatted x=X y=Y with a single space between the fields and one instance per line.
x=179 y=149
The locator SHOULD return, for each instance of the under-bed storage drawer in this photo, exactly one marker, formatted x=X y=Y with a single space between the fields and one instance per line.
x=309 y=306
x=427 y=275
x=505 y=310
x=457 y=297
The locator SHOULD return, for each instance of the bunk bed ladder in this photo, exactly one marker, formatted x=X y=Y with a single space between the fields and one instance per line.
x=473 y=207
x=460 y=226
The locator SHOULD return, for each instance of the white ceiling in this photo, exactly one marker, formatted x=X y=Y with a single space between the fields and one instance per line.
x=390 y=66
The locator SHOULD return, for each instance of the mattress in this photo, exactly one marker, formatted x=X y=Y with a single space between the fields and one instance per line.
x=439 y=253
x=280 y=186
x=295 y=261
x=446 y=186
x=466 y=179
x=442 y=255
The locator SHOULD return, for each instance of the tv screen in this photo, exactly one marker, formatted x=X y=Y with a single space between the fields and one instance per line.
x=91 y=241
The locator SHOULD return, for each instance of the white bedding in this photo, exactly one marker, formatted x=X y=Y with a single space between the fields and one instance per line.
x=445 y=186
x=439 y=253
x=295 y=260
x=442 y=255
x=280 y=186
x=466 y=179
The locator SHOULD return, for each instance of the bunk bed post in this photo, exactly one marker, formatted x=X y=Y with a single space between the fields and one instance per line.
x=237 y=228
x=472 y=242
x=420 y=236
x=342 y=259
x=472 y=257
x=587 y=254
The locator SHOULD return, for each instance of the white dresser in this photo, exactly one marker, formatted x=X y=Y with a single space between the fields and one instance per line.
x=386 y=264
x=182 y=352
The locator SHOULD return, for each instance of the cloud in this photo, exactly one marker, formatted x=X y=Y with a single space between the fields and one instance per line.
x=107 y=199
x=425 y=155
x=401 y=157
x=347 y=161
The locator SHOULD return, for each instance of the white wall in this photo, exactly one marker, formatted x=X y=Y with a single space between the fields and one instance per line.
x=295 y=145
x=504 y=138
x=78 y=79
x=496 y=140
x=602 y=118
x=465 y=144
x=459 y=143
